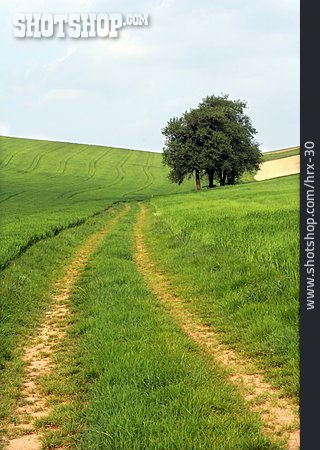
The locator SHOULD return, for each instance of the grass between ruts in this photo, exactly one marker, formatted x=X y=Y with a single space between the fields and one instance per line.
x=233 y=256
x=26 y=289
x=128 y=378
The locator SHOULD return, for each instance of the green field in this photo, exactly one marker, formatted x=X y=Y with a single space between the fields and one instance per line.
x=234 y=256
x=279 y=154
x=49 y=186
x=125 y=374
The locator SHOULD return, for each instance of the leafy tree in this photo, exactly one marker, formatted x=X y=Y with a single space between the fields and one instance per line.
x=215 y=139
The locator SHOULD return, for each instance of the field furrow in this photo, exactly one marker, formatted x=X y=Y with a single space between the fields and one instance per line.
x=59 y=190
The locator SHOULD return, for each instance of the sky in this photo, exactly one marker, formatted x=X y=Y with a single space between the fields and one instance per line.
x=122 y=91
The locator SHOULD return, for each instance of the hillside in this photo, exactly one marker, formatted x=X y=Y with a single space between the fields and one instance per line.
x=276 y=168
x=281 y=153
x=115 y=312
x=48 y=186
x=234 y=257
x=279 y=163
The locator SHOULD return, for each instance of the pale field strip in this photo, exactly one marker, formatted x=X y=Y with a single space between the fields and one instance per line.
x=278 y=168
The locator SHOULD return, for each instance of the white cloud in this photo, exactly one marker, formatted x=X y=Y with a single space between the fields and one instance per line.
x=49 y=66
x=88 y=3
x=126 y=48
x=56 y=95
x=130 y=86
x=4 y=129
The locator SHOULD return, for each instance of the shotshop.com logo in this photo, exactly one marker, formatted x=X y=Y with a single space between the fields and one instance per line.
x=84 y=25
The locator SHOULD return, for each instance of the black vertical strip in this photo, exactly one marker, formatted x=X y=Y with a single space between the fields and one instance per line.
x=309 y=228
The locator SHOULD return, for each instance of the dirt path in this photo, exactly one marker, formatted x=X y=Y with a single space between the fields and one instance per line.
x=279 y=416
x=279 y=168
x=38 y=356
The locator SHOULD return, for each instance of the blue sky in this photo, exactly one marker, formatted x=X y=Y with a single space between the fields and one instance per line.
x=121 y=92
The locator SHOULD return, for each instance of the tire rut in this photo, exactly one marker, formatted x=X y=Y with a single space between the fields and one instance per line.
x=279 y=415
x=39 y=354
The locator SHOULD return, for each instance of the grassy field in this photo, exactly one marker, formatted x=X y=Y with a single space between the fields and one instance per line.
x=234 y=256
x=50 y=186
x=279 y=154
x=26 y=289
x=146 y=385
x=125 y=375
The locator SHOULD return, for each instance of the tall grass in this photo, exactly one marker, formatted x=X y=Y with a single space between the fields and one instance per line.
x=129 y=376
x=146 y=385
x=26 y=289
x=234 y=257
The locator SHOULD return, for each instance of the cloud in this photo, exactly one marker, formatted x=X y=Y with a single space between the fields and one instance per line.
x=4 y=129
x=59 y=95
x=122 y=91
x=88 y=3
x=53 y=65
x=127 y=48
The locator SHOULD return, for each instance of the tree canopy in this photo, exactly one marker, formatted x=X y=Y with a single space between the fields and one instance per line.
x=215 y=139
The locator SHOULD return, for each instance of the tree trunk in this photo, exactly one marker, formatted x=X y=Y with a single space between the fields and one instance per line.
x=210 y=176
x=198 y=185
x=231 y=178
x=222 y=177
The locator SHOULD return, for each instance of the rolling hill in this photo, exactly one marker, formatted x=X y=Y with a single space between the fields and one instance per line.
x=281 y=153
x=134 y=317
x=48 y=186
x=279 y=163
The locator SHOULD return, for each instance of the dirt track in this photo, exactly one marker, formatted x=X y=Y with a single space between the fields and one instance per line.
x=279 y=415
x=278 y=168
x=33 y=404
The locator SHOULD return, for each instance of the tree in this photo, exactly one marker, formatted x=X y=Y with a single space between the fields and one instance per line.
x=215 y=139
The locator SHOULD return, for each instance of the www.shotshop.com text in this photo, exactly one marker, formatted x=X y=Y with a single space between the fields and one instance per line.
x=310 y=224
